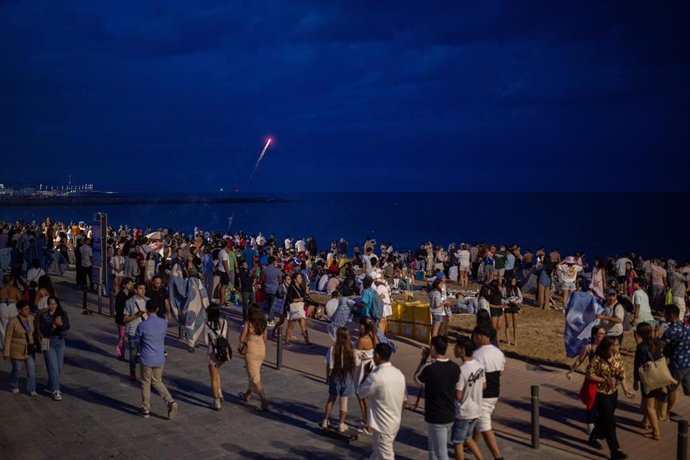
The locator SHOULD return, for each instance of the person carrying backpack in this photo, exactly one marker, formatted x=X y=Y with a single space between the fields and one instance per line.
x=372 y=304
x=219 y=350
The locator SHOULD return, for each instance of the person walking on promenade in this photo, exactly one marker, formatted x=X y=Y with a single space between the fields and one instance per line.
x=218 y=330
x=253 y=339
x=53 y=325
x=384 y=388
x=123 y=295
x=295 y=301
x=493 y=362
x=439 y=378
x=676 y=339
x=649 y=349
x=365 y=359
x=468 y=394
x=607 y=370
x=150 y=338
x=134 y=313
x=588 y=352
x=341 y=363
x=20 y=348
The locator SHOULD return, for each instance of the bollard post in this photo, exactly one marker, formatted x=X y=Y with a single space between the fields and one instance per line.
x=279 y=348
x=179 y=332
x=535 y=416
x=83 y=300
x=682 y=446
x=110 y=301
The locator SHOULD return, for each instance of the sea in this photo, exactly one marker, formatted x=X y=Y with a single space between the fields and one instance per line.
x=597 y=224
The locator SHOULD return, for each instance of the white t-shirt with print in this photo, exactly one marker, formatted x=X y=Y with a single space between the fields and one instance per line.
x=471 y=383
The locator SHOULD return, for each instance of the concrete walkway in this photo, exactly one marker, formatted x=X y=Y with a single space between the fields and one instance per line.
x=97 y=418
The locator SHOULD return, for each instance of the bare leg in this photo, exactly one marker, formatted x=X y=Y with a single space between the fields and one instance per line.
x=305 y=332
x=435 y=327
x=382 y=325
x=363 y=408
x=490 y=439
x=329 y=407
x=288 y=332
x=514 y=318
x=474 y=448
x=650 y=415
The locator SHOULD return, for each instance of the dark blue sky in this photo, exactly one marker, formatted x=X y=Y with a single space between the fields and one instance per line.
x=366 y=96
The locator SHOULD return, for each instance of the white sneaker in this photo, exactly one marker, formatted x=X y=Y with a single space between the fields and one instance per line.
x=33 y=393
x=57 y=396
x=342 y=428
x=271 y=324
x=15 y=390
x=324 y=424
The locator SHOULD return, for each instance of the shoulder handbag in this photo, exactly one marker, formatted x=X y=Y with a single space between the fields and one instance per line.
x=31 y=346
x=297 y=308
x=588 y=393
x=655 y=374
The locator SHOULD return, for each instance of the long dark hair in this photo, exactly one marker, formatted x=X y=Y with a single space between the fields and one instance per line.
x=646 y=334
x=44 y=282
x=343 y=357
x=255 y=317
x=213 y=316
x=604 y=348
x=58 y=310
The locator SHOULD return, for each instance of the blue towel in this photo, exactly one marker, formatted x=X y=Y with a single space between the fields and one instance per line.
x=580 y=317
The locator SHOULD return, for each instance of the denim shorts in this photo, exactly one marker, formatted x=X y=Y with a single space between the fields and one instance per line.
x=437 y=318
x=569 y=285
x=463 y=430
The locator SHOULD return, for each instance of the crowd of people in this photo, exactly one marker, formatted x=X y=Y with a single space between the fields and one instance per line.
x=164 y=276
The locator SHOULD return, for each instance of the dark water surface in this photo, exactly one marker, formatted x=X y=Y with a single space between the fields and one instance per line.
x=597 y=223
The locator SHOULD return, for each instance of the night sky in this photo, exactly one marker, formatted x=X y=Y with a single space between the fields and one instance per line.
x=358 y=96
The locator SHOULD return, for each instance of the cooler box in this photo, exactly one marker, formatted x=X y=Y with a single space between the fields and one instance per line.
x=396 y=308
x=422 y=314
x=422 y=332
x=407 y=312
x=406 y=329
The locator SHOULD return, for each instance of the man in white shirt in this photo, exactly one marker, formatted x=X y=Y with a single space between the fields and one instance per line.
x=468 y=395
x=34 y=273
x=300 y=246
x=288 y=243
x=86 y=262
x=493 y=362
x=224 y=271
x=384 y=389
x=642 y=312
x=135 y=312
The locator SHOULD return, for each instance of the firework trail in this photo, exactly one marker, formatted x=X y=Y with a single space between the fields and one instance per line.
x=261 y=157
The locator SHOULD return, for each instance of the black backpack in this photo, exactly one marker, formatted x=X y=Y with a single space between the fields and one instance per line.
x=221 y=346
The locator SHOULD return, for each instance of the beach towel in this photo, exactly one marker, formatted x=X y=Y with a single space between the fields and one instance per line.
x=188 y=302
x=57 y=265
x=580 y=317
x=530 y=283
x=453 y=273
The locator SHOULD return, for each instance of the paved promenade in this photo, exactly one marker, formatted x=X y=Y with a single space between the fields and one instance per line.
x=97 y=418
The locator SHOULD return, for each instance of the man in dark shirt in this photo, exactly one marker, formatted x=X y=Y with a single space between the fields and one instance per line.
x=246 y=287
x=439 y=378
x=159 y=296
